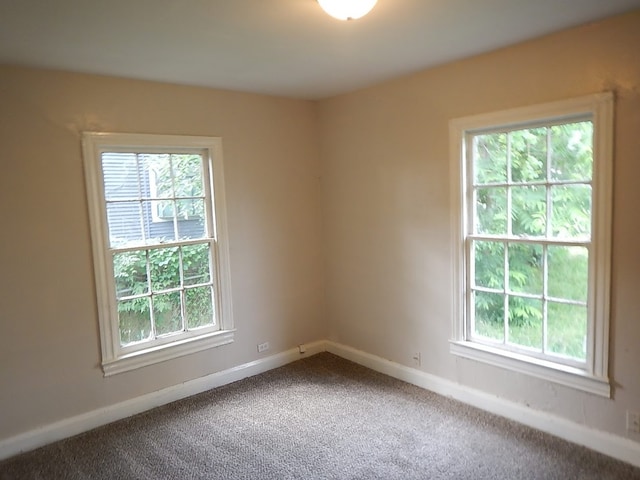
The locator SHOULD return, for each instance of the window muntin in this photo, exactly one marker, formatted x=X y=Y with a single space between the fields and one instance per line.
x=529 y=237
x=162 y=285
x=551 y=211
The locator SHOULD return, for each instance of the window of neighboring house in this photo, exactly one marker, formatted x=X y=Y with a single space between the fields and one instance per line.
x=160 y=246
x=164 y=189
x=532 y=190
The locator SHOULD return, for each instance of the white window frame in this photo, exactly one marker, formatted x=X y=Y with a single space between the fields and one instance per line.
x=593 y=376
x=117 y=358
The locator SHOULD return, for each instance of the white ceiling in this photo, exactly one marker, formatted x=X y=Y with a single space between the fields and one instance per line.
x=282 y=47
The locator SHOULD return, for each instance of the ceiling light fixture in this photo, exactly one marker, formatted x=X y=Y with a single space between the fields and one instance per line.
x=347 y=9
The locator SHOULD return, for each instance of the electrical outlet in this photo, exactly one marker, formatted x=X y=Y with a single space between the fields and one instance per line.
x=417 y=359
x=633 y=422
x=263 y=347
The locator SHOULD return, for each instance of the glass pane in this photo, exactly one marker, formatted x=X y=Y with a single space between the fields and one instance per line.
x=195 y=264
x=489 y=315
x=525 y=322
x=529 y=155
x=165 y=268
x=167 y=313
x=158 y=230
x=155 y=174
x=568 y=273
x=187 y=171
x=163 y=210
x=529 y=210
x=491 y=210
x=134 y=320
x=567 y=330
x=190 y=209
x=199 y=307
x=572 y=151
x=489 y=264
x=191 y=229
x=130 y=272
x=490 y=158
x=123 y=219
x=525 y=268
x=571 y=211
x=120 y=172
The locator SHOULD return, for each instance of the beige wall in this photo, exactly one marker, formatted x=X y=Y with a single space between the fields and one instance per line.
x=49 y=344
x=387 y=224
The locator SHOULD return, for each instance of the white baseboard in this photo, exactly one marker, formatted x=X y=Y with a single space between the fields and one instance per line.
x=81 y=423
x=603 y=442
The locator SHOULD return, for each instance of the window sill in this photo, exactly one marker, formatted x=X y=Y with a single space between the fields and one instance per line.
x=150 y=356
x=564 y=375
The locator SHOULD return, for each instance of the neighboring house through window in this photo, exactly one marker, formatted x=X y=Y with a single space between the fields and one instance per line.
x=160 y=249
x=532 y=197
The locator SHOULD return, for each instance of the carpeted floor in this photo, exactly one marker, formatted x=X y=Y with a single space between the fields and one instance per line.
x=319 y=418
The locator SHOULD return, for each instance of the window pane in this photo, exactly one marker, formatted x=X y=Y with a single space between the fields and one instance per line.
x=123 y=219
x=167 y=313
x=567 y=330
x=163 y=210
x=489 y=263
x=195 y=264
x=120 y=171
x=156 y=175
x=165 y=268
x=134 y=320
x=190 y=209
x=571 y=211
x=187 y=171
x=489 y=315
x=199 y=307
x=191 y=229
x=525 y=322
x=159 y=230
x=491 y=211
x=529 y=155
x=529 y=210
x=568 y=273
x=130 y=272
x=490 y=158
x=572 y=151
x=525 y=268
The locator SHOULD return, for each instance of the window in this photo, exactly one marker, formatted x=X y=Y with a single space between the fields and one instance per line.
x=160 y=250
x=532 y=200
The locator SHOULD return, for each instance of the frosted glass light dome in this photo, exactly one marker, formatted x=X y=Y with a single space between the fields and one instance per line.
x=347 y=9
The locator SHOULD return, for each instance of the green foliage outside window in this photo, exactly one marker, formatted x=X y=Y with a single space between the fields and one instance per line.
x=151 y=273
x=516 y=174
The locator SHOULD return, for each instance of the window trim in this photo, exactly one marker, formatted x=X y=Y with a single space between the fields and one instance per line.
x=116 y=359
x=594 y=377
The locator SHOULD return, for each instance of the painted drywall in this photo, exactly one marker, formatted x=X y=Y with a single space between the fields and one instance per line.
x=49 y=346
x=387 y=219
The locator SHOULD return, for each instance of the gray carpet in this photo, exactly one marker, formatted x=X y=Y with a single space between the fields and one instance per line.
x=319 y=418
